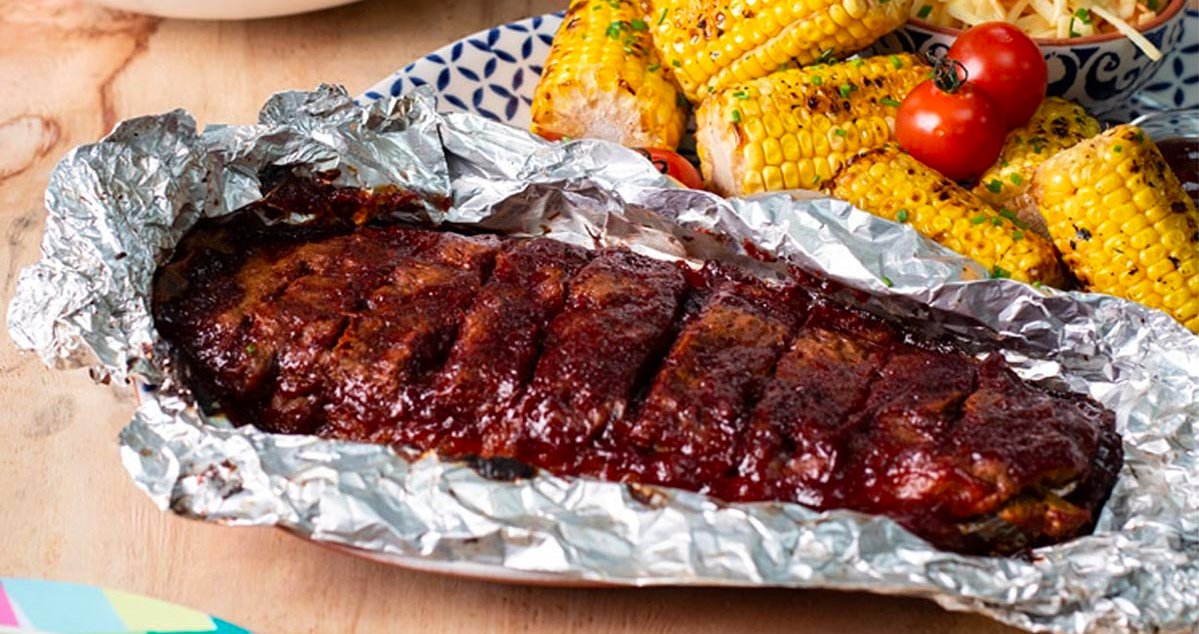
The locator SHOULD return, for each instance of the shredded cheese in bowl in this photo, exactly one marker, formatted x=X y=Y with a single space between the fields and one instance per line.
x=1049 y=18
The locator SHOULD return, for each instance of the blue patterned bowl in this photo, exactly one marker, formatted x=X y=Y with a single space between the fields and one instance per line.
x=1100 y=72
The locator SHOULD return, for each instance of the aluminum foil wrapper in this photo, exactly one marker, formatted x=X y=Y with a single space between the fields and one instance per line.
x=117 y=208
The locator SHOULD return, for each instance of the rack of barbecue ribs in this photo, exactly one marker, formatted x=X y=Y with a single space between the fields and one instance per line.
x=610 y=364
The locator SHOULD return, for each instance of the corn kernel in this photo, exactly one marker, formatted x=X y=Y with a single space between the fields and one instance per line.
x=791 y=176
x=790 y=147
x=772 y=151
x=754 y=160
x=1142 y=238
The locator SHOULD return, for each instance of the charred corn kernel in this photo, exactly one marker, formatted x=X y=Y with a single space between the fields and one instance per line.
x=716 y=43
x=886 y=181
x=1055 y=126
x=603 y=79
x=800 y=121
x=1147 y=249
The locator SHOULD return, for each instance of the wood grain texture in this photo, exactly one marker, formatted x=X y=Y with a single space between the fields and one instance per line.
x=67 y=509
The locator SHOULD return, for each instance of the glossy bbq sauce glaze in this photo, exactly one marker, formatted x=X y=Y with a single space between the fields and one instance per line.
x=611 y=364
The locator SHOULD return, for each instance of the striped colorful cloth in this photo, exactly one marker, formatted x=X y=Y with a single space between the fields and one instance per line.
x=30 y=605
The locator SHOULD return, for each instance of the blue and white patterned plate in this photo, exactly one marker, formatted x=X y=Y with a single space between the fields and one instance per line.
x=493 y=72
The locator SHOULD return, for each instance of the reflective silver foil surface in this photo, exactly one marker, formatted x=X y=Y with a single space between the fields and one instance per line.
x=118 y=207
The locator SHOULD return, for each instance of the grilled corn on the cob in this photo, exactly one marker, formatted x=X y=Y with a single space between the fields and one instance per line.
x=1123 y=222
x=715 y=43
x=794 y=128
x=603 y=79
x=1055 y=126
x=889 y=183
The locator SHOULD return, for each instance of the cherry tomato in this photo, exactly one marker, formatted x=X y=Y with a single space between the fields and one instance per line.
x=673 y=165
x=1006 y=64
x=950 y=126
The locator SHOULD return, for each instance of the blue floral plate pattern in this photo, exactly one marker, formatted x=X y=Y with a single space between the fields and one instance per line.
x=493 y=72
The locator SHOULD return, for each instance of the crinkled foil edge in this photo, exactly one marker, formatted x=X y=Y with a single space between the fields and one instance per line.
x=118 y=207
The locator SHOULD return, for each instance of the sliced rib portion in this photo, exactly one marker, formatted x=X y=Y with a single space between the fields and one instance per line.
x=402 y=333
x=296 y=326
x=497 y=345
x=895 y=458
x=797 y=439
x=694 y=413
x=1045 y=465
x=618 y=318
x=271 y=308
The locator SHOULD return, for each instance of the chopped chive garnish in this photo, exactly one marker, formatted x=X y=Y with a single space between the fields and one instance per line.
x=826 y=56
x=1084 y=15
x=614 y=30
x=995 y=186
x=1016 y=179
x=979 y=219
x=1072 y=32
x=998 y=272
x=596 y=8
x=676 y=63
x=817 y=80
x=662 y=18
x=1118 y=148
x=902 y=215
x=741 y=94
x=887 y=101
x=1140 y=137
x=858 y=62
x=887 y=281
x=896 y=62
x=845 y=90
x=998 y=222
x=653 y=68
x=816 y=179
x=1017 y=234
x=841 y=132
x=1037 y=284
x=251 y=348
x=924 y=11
x=1002 y=163
x=1011 y=215
x=736 y=116
x=639 y=25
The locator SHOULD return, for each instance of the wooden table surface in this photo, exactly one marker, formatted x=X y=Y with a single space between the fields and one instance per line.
x=68 y=511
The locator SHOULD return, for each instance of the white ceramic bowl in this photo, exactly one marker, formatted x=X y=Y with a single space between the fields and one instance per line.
x=1100 y=72
x=221 y=9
